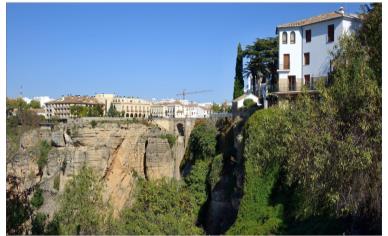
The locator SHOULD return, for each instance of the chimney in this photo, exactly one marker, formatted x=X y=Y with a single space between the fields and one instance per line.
x=341 y=10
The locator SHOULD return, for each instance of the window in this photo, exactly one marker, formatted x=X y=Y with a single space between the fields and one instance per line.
x=308 y=36
x=286 y=61
x=291 y=83
x=284 y=37
x=292 y=37
x=307 y=80
x=307 y=58
x=330 y=33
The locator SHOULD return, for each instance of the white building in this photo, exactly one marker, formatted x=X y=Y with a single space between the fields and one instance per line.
x=305 y=46
x=106 y=99
x=132 y=107
x=238 y=103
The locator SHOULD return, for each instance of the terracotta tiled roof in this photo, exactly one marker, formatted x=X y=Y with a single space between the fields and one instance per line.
x=75 y=100
x=316 y=19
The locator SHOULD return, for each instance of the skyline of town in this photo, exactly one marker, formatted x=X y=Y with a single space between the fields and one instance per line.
x=89 y=59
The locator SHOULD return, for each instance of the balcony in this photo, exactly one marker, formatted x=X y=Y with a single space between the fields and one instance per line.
x=284 y=68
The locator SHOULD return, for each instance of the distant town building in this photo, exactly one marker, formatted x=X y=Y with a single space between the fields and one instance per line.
x=106 y=99
x=305 y=46
x=60 y=108
x=238 y=103
x=41 y=99
x=132 y=107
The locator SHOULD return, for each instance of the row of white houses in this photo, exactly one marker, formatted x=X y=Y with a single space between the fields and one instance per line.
x=127 y=106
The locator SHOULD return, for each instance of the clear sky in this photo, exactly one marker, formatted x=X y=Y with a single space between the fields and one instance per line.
x=147 y=50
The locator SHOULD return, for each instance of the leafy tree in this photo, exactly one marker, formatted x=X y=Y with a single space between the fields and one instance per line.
x=370 y=36
x=238 y=79
x=82 y=210
x=112 y=112
x=202 y=141
x=161 y=207
x=262 y=58
x=37 y=200
x=216 y=108
x=249 y=103
x=34 y=104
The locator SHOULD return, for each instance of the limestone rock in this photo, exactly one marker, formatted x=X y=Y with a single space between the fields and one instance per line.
x=57 y=138
x=159 y=161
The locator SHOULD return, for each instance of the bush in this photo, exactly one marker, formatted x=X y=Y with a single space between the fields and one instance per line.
x=216 y=170
x=44 y=149
x=81 y=209
x=38 y=223
x=37 y=199
x=202 y=141
x=93 y=123
x=161 y=207
x=249 y=103
x=170 y=138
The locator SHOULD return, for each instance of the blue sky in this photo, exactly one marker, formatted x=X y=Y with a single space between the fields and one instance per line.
x=147 y=50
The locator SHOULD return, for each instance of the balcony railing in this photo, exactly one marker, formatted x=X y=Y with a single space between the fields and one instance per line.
x=292 y=87
x=285 y=67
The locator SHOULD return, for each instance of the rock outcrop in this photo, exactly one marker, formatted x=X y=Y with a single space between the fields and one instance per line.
x=118 y=153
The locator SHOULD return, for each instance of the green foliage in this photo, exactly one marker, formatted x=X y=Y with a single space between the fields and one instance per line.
x=170 y=138
x=18 y=210
x=161 y=207
x=202 y=141
x=38 y=223
x=196 y=181
x=84 y=111
x=215 y=171
x=216 y=108
x=37 y=199
x=112 y=112
x=264 y=150
x=238 y=79
x=93 y=123
x=82 y=210
x=263 y=59
x=57 y=181
x=34 y=104
x=249 y=103
x=370 y=36
x=44 y=149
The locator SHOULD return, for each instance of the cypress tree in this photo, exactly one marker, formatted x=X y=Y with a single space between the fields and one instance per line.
x=238 y=79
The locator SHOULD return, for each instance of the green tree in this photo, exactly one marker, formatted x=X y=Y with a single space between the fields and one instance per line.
x=202 y=141
x=370 y=36
x=38 y=223
x=37 y=199
x=82 y=210
x=112 y=112
x=262 y=58
x=161 y=207
x=34 y=104
x=238 y=79
x=44 y=149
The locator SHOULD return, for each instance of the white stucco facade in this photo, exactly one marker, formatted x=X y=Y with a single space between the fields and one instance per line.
x=318 y=49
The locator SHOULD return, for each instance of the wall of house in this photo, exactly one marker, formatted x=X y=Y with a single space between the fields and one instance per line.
x=294 y=50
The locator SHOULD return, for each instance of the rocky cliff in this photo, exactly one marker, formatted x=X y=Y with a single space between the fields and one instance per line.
x=118 y=152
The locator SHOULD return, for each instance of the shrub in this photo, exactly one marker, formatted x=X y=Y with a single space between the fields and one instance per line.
x=249 y=103
x=202 y=141
x=216 y=170
x=38 y=223
x=37 y=199
x=170 y=138
x=161 y=207
x=44 y=149
x=93 y=123
x=81 y=209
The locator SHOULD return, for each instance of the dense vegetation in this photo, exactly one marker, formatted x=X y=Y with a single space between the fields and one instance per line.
x=83 y=111
x=323 y=155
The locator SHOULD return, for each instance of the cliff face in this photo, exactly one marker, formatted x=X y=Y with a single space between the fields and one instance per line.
x=118 y=153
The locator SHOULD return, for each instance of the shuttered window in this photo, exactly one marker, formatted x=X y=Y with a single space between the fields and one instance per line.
x=286 y=61
x=330 y=33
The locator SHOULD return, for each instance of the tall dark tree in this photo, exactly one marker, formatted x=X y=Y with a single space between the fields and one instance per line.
x=238 y=79
x=263 y=60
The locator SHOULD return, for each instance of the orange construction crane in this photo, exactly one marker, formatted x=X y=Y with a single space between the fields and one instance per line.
x=184 y=93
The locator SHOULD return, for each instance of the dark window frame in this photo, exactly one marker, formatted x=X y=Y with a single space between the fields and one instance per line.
x=330 y=33
x=308 y=35
x=292 y=34
x=289 y=63
x=284 y=37
x=306 y=57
